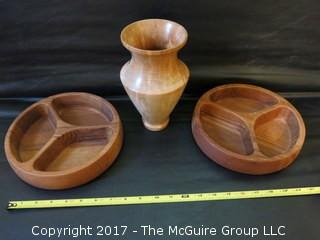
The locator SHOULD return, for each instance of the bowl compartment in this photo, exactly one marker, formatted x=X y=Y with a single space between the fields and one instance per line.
x=276 y=131
x=226 y=129
x=33 y=130
x=82 y=111
x=74 y=149
x=242 y=99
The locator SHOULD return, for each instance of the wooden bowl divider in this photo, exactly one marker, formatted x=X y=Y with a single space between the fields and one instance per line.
x=248 y=129
x=64 y=141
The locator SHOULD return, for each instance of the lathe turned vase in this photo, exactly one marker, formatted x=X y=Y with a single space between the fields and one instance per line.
x=154 y=77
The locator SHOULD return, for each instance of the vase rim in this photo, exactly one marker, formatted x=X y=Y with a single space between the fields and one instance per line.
x=161 y=51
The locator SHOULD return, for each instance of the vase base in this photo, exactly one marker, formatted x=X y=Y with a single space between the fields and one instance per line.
x=155 y=127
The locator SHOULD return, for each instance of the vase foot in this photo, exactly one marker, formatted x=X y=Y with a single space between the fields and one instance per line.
x=155 y=127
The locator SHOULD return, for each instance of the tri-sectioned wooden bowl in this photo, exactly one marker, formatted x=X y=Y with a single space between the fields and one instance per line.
x=64 y=141
x=248 y=129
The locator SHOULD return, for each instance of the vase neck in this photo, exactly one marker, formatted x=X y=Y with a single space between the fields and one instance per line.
x=154 y=60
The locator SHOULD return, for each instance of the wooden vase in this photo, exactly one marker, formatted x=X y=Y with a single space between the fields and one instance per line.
x=154 y=78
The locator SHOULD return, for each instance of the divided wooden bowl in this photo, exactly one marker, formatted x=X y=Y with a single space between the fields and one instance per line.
x=248 y=129
x=64 y=141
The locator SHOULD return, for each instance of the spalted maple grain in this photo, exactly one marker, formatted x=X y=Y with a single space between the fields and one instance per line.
x=154 y=78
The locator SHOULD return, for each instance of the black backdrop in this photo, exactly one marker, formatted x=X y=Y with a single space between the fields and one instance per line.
x=53 y=46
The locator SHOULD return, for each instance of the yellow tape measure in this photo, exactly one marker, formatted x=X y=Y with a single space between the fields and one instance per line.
x=171 y=198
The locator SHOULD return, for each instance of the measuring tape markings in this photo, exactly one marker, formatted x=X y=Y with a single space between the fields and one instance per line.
x=153 y=199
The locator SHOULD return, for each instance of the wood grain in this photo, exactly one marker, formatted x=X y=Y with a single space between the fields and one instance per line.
x=248 y=129
x=154 y=78
x=64 y=141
